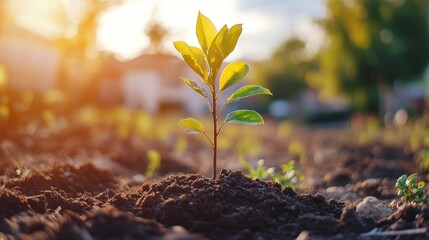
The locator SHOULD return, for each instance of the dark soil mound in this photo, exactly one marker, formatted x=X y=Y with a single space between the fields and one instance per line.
x=233 y=206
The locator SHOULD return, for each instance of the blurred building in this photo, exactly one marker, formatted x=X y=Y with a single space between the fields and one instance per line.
x=31 y=60
x=149 y=82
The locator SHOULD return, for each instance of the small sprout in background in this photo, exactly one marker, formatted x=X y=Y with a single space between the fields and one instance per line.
x=49 y=119
x=154 y=158
x=369 y=132
x=3 y=77
x=206 y=62
x=259 y=172
x=297 y=148
x=410 y=190
x=423 y=154
x=288 y=177
x=424 y=158
x=415 y=142
x=4 y=111
x=143 y=124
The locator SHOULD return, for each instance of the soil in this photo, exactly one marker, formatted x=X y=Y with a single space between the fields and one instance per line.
x=97 y=191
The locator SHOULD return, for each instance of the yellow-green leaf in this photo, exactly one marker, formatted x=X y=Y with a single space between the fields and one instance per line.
x=194 y=86
x=248 y=117
x=232 y=74
x=206 y=32
x=230 y=40
x=247 y=91
x=215 y=55
x=194 y=57
x=191 y=126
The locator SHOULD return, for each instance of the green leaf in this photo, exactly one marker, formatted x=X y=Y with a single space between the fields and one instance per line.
x=230 y=40
x=248 y=117
x=233 y=74
x=215 y=56
x=191 y=126
x=194 y=57
x=206 y=32
x=194 y=86
x=247 y=91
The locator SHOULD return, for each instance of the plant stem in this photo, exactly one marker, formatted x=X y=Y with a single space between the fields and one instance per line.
x=214 y=114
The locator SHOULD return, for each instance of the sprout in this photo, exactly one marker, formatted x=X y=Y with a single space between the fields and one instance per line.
x=206 y=62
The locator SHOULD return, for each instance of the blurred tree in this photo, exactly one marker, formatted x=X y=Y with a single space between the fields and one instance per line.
x=285 y=71
x=157 y=34
x=80 y=55
x=371 y=44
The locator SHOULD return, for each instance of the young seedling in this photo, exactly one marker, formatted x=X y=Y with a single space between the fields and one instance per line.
x=411 y=190
x=289 y=176
x=154 y=158
x=206 y=62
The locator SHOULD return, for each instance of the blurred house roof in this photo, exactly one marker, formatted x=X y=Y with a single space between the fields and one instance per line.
x=10 y=29
x=31 y=60
x=169 y=67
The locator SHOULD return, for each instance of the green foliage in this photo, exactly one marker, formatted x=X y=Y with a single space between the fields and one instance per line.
x=191 y=126
x=259 y=172
x=421 y=146
x=424 y=162
x=371 y=45
x=247 y=91
x=206 y=62
x=287 y=69
x=248 y=117
x=154 y=162
x=288 y=177
x=411 y=190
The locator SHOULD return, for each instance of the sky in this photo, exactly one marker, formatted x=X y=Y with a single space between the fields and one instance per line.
x=266 y=23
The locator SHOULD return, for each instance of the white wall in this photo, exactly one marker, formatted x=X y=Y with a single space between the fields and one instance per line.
x=142 y=90
x=145 y=89
x=30 y=65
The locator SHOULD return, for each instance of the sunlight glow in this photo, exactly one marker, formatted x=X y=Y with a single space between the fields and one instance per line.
x=41 y=16
x=265 y=24
x=122 y=28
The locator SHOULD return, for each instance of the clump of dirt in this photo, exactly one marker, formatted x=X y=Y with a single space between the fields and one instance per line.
x=233 y=206
x=408 y=216
x=376 y=187
x=12 y=203
x=107 y=223
x=64 y=177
